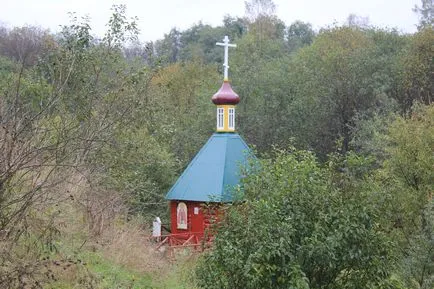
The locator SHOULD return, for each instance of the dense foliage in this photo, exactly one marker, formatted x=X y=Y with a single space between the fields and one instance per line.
x=95 y=130
x=348 y=223
x=297 y=229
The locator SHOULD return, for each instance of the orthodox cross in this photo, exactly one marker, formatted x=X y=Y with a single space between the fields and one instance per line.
x=226 y=46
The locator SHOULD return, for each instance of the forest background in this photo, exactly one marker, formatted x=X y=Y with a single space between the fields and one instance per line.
x=94 y=131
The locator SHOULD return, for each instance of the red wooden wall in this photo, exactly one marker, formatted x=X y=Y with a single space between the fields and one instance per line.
x=197 y=224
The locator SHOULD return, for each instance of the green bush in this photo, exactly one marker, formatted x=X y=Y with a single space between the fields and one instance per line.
x=295 y=229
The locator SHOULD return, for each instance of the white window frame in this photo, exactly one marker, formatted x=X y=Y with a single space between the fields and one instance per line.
x=231 y=118
x=220 y=118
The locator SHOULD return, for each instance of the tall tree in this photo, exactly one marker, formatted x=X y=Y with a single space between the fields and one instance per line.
x=406 y=181
x=341 y=74
x=299 y=34
x=235 y=27
x=82 y=91
x=426 y=14
x=168 y=48
x=25 y=44
x=416 y=77
x=263 y=22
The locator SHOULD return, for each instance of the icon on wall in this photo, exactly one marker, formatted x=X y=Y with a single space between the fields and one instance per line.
x=181 y=216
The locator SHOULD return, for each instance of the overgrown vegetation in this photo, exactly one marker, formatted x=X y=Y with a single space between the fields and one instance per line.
x=95 y=130
x=348 y=223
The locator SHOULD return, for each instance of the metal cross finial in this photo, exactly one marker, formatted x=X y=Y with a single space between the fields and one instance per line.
x=226 y=46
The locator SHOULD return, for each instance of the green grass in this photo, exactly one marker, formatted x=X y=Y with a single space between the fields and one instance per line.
x=95 y=270
x=104 y=274
x=107 y=275
x=110 y=275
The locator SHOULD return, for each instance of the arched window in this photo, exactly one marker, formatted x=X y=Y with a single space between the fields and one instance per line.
x=181 y=216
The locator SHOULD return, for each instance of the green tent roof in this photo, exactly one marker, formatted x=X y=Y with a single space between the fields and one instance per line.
x=214 y=171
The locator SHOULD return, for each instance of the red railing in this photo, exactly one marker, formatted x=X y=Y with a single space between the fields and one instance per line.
x=193 y=240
